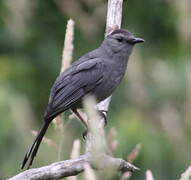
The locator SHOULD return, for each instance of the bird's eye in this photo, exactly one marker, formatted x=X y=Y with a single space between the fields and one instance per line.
x=119 y=39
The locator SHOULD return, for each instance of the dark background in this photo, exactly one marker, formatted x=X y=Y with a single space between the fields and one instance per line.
x=151 y=106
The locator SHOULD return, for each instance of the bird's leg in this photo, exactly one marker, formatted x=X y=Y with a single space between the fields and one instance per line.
x=80 y=117
x=103 y=114
x=83 y=122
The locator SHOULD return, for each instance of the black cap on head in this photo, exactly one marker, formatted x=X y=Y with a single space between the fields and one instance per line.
x=122 y=31
x=131 y=38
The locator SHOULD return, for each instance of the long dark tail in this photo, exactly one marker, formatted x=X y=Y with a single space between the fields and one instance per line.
x=34 y=148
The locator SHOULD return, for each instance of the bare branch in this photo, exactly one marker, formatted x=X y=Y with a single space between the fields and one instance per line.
x=114 y=18
x=55 y=171
x=114 y=14
x=71 y=167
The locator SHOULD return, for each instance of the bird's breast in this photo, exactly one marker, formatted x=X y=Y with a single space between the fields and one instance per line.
x=112 y=77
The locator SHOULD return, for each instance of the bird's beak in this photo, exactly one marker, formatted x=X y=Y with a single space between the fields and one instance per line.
x=138 y=40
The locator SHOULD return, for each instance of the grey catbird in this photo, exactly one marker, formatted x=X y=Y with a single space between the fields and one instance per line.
x=98 y=73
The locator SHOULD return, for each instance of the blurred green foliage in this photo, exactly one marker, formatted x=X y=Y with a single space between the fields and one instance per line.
x=151 y=106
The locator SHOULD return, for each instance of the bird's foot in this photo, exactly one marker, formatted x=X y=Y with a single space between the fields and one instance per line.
x=103 y=114
x=85 y=133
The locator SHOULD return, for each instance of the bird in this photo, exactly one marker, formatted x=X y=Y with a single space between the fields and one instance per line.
x=97 y=73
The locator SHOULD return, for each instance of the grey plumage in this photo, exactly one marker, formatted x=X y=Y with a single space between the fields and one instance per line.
x=98 y=73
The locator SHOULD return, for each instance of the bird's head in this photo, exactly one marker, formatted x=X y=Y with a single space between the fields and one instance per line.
x=121 y=40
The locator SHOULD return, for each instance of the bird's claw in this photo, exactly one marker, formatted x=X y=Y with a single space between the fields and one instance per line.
x=103 y=114
x=84 y=134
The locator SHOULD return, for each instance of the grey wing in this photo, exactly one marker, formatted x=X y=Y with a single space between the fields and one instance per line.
x=70 y=88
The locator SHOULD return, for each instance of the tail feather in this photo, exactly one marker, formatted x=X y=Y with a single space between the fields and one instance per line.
x=34 y=148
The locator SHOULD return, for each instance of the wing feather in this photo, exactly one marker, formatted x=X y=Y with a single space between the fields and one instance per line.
x=69 y=88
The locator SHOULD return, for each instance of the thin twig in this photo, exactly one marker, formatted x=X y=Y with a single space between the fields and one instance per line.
x=67 y=54
x=68 y=46
x=89 y=172
x=74 y=154
x=149 y=175
x=187 y=174
x=130 y=158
